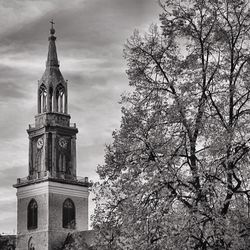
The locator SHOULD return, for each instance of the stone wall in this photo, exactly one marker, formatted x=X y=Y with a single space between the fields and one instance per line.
x=58 y=234
x=50 y=196
x=40 y=234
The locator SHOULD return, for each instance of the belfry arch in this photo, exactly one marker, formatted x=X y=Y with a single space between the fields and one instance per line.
x=52 y=99
x=42 y=99
x=60 y=99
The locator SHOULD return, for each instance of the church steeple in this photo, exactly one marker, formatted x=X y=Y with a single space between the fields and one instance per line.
x=53 y=138
x=52 y=199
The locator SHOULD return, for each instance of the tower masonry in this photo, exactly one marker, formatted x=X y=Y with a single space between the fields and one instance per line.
x=51 y=201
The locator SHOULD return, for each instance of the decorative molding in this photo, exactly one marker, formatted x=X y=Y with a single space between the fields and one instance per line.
x=50 y=187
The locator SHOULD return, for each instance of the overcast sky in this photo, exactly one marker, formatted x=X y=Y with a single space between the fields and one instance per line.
x=90 y=38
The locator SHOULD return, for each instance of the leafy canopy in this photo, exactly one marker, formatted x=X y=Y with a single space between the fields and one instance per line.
x=177 y=173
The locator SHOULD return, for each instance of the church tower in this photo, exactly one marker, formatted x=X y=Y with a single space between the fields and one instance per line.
x=51 y=201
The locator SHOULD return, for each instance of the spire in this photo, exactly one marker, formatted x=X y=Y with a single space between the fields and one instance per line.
x=52 y=60
x=52 y=88
x=52 y=74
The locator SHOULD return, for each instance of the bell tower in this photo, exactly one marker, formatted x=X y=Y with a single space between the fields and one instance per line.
x=51 y=201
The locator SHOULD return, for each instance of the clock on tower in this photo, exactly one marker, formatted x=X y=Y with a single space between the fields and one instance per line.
x=51 y=201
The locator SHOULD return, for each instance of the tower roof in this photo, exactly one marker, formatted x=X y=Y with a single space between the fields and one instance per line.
x=52 y=74
x=52 y=60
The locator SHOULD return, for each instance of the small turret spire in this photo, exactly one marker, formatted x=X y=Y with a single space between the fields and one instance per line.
x=52 y=60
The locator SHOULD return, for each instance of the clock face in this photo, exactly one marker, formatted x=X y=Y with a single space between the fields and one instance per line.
x=39 y=143
x=63 y=143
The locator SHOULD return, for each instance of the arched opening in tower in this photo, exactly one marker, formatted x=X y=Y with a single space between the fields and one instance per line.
x=60 y=99
x=42 y=102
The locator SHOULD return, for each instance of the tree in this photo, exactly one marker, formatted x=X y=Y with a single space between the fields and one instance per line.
x=7 y=242
x=77 y=241
x=177 y=173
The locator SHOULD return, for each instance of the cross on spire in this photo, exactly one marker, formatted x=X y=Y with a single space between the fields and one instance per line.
x=52 y=23
x=52 y=30
x=52 y=55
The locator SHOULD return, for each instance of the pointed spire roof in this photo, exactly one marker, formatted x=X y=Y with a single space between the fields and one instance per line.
x=52 y=60
x=52 y=74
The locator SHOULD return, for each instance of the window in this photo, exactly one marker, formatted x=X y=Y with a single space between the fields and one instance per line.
x=68 y=214
x=43 y=99
x=31 y=245
x=32 y=215
x=60 y=99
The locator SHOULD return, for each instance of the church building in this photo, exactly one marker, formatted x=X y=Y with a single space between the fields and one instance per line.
x=51 y=201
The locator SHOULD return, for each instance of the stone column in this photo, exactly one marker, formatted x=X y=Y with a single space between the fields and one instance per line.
x=61 y=103
x=44 y=101
x=66 y=101
x=53 y=155
x=49 y=101
x=38 y=102
x=46 y=152
x=73 y=155
x=55 y=104
x=31 y=170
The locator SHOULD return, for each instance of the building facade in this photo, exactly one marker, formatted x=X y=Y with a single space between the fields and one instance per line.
x=51 y=201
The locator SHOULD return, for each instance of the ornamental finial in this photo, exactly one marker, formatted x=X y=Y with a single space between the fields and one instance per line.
x=52 y=60
x=52 y=30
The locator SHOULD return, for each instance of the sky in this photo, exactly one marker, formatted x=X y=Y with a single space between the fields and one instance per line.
x=90 y=38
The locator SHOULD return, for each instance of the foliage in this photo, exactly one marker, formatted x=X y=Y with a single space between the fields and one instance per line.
x=177 y=173
x=7 y=242
x=77 y=241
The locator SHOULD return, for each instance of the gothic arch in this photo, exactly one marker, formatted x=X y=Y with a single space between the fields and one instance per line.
x=69 y=214
x=31 y=244
x=50 y=99
x=60 y=99
x=42 y=99
x=32 y=214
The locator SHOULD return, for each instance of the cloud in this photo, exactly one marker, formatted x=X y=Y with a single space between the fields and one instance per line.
x=8 y=219
x=12 y=83
x=9 y=177
x=90 y=38
x=8 y=209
